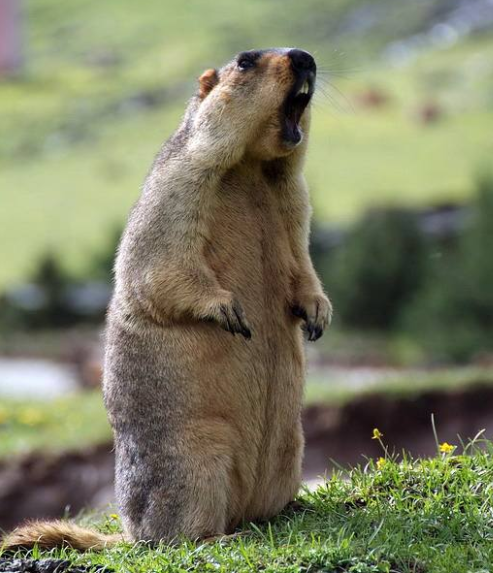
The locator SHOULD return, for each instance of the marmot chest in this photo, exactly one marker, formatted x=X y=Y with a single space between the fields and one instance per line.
x=248 y=245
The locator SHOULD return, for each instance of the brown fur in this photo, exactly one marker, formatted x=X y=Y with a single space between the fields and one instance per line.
x=207 y=424
x=206 y=82
x=48 y=534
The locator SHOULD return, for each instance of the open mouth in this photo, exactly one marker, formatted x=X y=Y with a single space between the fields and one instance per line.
x=296 y=102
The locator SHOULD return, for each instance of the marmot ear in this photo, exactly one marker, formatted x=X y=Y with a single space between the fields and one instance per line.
x=207 y=81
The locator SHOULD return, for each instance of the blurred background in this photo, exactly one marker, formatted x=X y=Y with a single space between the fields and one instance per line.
x=401 y=173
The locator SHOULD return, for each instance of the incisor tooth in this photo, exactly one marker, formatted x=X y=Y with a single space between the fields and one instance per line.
x=305 y=88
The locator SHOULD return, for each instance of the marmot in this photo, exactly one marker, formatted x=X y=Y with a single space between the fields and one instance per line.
x=204 y=364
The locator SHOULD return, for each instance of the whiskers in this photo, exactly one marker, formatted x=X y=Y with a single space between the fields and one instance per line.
x=327 y=92
x=336 y=64
x=329 y=70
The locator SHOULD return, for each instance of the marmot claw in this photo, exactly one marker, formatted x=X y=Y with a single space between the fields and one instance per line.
x=317 y=315
x=234 y=321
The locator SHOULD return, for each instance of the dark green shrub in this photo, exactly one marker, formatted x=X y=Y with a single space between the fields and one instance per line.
x=452 y=315
x=377 y=270
x=41 y=301
x=53 y=281
x=53 y=299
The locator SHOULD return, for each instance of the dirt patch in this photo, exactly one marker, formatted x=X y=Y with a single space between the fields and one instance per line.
x=344 y=434
x=40 y=486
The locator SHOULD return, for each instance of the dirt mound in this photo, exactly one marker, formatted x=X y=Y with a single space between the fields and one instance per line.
x=344 y=434
x=46 y=486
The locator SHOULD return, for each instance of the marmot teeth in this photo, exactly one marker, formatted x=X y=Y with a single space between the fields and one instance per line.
x=305 y=88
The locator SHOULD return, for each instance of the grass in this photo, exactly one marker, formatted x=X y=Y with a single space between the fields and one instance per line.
x=75 y=143
x=407 y=516
x=71 y=422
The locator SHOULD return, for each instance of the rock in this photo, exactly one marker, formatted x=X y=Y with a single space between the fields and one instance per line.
x=47 y=566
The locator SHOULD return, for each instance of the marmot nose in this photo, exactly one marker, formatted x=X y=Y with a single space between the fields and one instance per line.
x=302 y=61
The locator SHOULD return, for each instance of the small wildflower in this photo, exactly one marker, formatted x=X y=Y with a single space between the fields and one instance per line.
x=30 y=417
x=114 y=516
x=381 y=463
x=446 y=448
x=377 y=434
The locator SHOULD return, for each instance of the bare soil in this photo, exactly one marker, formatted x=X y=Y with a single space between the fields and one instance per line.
x=344 y=434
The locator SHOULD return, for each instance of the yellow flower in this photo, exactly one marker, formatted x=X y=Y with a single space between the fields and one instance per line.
x=380 y=463
x=446 y=448
x=377 y=434
x=31 y=417
x=114 y=516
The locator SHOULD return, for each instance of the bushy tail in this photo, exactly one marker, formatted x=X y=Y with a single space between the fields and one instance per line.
x=50 y=534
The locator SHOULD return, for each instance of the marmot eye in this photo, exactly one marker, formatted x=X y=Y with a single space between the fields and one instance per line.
x=245 y=63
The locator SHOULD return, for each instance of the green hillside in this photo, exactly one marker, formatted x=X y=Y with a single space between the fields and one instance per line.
x=105 y=83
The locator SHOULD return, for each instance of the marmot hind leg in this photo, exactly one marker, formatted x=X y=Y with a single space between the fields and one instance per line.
x=197 y=505
x=281 y=481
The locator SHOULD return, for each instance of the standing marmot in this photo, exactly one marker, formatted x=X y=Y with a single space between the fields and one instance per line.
x=204 y=359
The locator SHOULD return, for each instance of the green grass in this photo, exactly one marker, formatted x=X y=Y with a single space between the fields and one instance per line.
x=68 y=423
x=412 y=516
x=73 y=153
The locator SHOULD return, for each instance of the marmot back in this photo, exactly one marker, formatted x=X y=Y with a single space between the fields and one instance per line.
x=204 y=364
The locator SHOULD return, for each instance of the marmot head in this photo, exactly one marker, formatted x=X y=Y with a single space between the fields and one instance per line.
x=268 y=92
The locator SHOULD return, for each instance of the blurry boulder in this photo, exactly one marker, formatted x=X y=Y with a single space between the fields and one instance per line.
x=10 y=37
x=372 y=98
x=429 y=113
x=103 y=58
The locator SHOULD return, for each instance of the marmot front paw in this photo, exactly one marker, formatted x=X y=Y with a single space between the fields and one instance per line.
x=316 y=311
x=229 y=315
x=233 y=319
